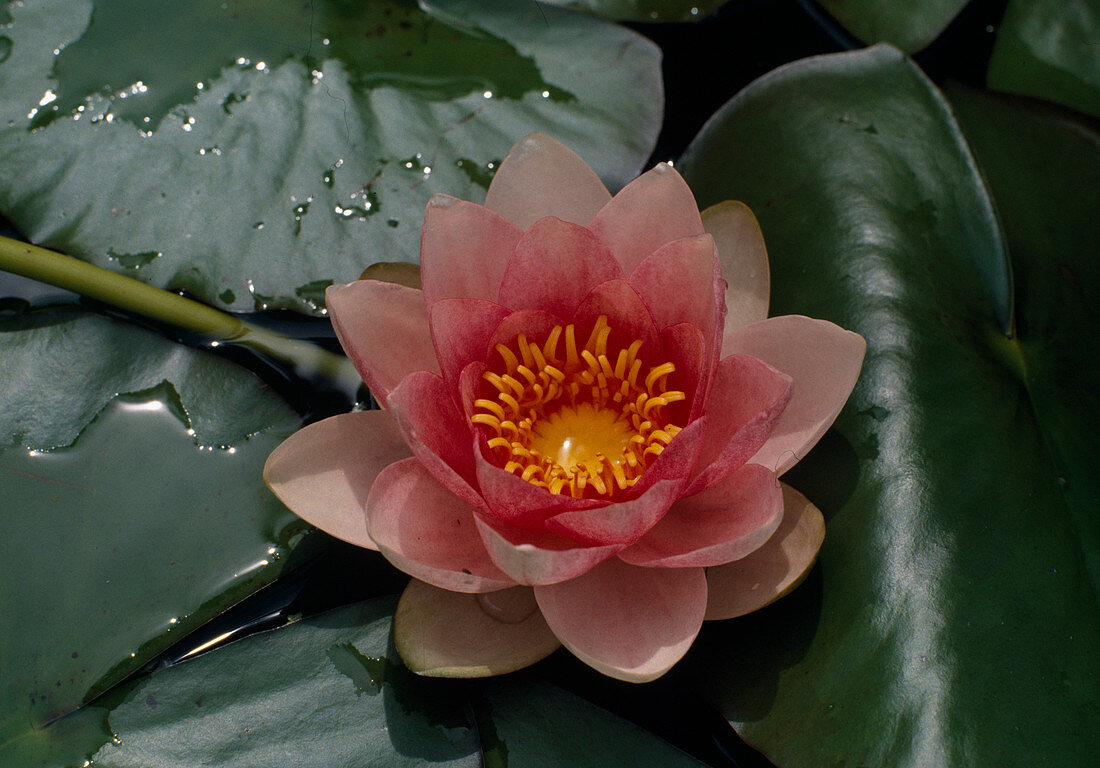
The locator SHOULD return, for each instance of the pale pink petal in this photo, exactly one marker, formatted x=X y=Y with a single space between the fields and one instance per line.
x=323 y=472
x=620 y=523
x=725 y=522
x=745 y=402
x=774 y=569
x=654 y=209
x=538 y=558
x=514 y=501
x=461 y=330
x=627 y=315
x=383 y=328
x=437 y=432
x=823 y=359
x=428 y=532
x=629 y=623
x=681 y=283
x=744 y=260
x=554 y=266
x=542 y=177
x=464 y=248
x=439 y=633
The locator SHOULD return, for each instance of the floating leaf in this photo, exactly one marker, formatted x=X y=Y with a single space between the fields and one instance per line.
x=953 y=619
x=909 y=25
x=129 y=520
x=645 y=10
x=1048 y=49
x=248 y=152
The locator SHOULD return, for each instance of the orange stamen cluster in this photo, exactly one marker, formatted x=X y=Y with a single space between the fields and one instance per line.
x=577 y=422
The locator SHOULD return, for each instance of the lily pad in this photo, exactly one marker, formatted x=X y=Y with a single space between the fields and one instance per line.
x=250 y=152
x=910 y=24
x=645 y=10
x=1048 y=49
x=130 y=519
x=953 y=619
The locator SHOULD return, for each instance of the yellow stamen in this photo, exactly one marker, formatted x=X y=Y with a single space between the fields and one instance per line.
x=580 y=424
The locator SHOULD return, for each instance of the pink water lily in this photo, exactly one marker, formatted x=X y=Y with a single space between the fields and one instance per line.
x=582 y=426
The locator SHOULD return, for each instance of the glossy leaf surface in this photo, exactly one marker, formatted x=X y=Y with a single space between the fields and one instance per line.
x=645 y=10
x=1047 y=49
x=908 y=24
x=252 y=153
x=953 y=619
x=129 y=520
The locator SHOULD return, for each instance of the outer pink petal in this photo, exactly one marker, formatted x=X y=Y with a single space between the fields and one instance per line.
x=618 y=524
x=515 y=501
x=464 y=248
x=324 y=471
x=428 y=532
x=654 y=209
x=437 y=432
x=775 y=569
x=461 y=331
x=823 y=359
x=629 y=623
x=744 y=260
x=681 y=283
x=554 y=266
x=383 y=327
x=538 y=558
x=747 y=399
x=725 y=522
x=542 y=177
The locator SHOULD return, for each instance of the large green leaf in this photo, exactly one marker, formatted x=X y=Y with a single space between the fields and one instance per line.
x=908 y=24
x=128 y=520
x=953 y=619
x=1048 y=49
x=330 y=691
x=645 y=10
x=251 y=152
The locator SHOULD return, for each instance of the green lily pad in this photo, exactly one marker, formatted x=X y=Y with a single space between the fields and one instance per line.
x=953 y=619
x=1048 y=49
x=129 y=520
x=910 y=24
x=251 y=152
x=645 y=10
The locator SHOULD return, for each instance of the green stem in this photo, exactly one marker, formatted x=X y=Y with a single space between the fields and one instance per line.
x=307 y=360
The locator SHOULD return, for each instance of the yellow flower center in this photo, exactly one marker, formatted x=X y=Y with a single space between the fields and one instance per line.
x=587 y=423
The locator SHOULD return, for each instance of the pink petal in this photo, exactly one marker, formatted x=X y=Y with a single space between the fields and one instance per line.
x=428 y=532
x=744 y=260
x=680 y=282
x=383 y=327
x=654 y=209
x=538 y=558
x=464 y=248
x=554 y=266
x=542 y=177
x=461 y=330
x=629 y=623
x=323 y=472
x=439 y=633
x=627 y=315
x=677 y=461
x=685 y=348
x=437 y=432
x=747 y=398
x=775 y=569
x=823 y=359
x=725 y=522
x=513 y=500
x=619 y=523
x=535 y=324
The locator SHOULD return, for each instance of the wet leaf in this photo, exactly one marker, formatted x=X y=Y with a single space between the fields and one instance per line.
x=908 y=25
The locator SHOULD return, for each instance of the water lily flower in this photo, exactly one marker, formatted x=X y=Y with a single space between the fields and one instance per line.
x=582 y=426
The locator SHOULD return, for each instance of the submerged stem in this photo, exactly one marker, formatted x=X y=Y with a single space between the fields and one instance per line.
x=307 y=360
